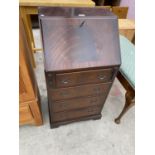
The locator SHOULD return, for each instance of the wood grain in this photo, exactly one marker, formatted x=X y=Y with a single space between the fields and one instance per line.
x=84 y=77
x=79 y=91
x=82 y=102
x=126 y=24
x=127 y=28
x=25 y=115
x=121 y=12
x=82 y=57
x=83 y=46
x=61 y=116
x=29 y=110
x=25 y=79
x=56 y=3
x=28 y=28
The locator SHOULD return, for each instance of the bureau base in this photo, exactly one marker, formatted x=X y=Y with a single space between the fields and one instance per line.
x=57 y=124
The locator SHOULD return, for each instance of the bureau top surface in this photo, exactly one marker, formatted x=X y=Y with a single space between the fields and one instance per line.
x=77 y=38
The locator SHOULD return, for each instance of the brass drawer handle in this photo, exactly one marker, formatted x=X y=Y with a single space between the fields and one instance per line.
x=65 y=82
x=102 y=77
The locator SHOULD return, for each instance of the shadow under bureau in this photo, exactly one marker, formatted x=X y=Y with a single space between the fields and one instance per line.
x=82 y=57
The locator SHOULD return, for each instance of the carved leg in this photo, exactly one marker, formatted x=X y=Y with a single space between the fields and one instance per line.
x=130 y=101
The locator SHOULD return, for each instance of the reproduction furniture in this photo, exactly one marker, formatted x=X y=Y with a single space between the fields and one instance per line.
x=126 y=74
x=29 y=101
x=82 y=57
x=30 y=7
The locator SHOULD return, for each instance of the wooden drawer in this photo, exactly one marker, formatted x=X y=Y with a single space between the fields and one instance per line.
x=25 y=115
x=77 y=103
x=79 y=91
x=69 y=115
x=83 y=77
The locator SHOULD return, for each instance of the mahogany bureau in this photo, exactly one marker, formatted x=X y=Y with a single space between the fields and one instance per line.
x=82 y=57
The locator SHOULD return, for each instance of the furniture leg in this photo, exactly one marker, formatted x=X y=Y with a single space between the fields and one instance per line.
x=130 y=101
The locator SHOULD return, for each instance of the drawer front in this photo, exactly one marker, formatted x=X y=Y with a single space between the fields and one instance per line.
x=50 y=79
x=25 y=115
x=84 y=77
x=77 y=103
x=79 y=91
x=69 y=115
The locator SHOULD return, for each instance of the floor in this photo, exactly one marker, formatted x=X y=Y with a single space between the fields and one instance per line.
x=94 y=137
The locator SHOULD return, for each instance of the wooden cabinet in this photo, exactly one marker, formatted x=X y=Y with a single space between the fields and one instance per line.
x=82 y=57
x=25 y=114
x=29 y=103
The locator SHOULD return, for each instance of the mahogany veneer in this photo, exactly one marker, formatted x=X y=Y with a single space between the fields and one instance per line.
x=82 y=57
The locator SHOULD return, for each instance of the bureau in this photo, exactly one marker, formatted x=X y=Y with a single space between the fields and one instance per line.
x=82 y=57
